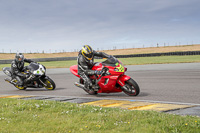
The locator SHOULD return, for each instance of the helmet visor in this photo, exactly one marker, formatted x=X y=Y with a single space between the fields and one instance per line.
x=20 y=58
x=90 y=56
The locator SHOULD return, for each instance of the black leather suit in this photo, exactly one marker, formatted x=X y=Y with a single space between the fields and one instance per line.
x=85 y=66
x=17 y=68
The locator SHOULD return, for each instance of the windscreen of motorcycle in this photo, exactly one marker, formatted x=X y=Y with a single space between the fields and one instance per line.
x=110 y=62
x=37 y=69
x=33 y=66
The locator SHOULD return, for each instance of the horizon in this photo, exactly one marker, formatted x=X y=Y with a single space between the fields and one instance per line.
x=60 y=52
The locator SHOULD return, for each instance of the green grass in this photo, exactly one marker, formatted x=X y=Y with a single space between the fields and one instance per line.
x=127 y=61
x=160 y=60
x=45 y=116
x=4 y=65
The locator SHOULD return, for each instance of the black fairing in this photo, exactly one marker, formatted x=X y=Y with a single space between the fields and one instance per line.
x=7 y=71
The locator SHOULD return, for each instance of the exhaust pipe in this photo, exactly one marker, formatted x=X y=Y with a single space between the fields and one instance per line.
x=79 y=85
x=94 y=88
x=7 y=80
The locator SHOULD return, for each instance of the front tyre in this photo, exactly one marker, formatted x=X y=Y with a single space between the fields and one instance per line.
x=50 y=85
x=131 y=88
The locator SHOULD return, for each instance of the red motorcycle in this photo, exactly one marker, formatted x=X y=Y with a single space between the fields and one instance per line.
x=112 y=79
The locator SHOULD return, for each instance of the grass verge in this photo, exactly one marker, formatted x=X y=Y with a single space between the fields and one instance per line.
x=160 y=60
x=51 y=116
x=126 y=61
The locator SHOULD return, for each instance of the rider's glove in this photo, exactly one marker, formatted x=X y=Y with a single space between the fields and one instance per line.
x=98 y=72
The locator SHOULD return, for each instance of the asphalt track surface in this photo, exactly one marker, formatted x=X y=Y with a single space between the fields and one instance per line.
x=178 y=83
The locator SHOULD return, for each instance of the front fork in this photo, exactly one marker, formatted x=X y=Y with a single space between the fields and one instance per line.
x=46 y=77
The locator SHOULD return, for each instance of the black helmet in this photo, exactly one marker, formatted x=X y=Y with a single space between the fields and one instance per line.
x=19 y=57
x=87 y=52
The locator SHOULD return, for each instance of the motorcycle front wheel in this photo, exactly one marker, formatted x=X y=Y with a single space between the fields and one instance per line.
x=131 y=88
x=50 y=85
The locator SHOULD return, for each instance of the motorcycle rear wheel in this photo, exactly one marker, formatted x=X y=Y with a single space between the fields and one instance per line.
x=131 y=88
x=20 y=88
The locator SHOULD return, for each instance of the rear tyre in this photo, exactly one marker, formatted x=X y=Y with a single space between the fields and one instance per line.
x=50 y=84
x=19 y=87
x=91 y=92
x=131 y=88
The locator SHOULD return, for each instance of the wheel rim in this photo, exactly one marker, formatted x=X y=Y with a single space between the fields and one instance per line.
x=129 y=89
x=49 y=85
x=20 y=88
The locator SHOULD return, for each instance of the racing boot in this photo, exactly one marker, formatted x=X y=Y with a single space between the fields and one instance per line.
x=88 y=86
x=10 y=81
x=95 y=87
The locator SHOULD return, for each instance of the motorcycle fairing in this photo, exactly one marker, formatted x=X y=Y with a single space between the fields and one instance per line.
x=109 y=84
x=74 y=70
x=122 y=79
x=7 y=71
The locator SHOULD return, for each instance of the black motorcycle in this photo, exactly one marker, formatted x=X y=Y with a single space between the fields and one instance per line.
x=36 y=79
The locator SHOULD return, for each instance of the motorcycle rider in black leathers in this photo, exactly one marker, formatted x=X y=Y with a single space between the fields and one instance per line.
x=17 y=66
x=85 y=63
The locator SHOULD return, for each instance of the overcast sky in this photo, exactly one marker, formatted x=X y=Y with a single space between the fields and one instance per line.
x=57 y=25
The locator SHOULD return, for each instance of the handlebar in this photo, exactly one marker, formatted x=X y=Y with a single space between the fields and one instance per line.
x=104 y=71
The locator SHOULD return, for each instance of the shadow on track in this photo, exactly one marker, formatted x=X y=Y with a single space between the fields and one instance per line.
x=42 y=89
x=142 y=94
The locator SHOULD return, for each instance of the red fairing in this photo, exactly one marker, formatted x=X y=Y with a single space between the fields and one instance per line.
x=107 y=84
x=74 y=70
x=97 y=66
x=122 y=79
